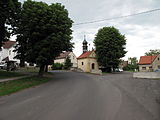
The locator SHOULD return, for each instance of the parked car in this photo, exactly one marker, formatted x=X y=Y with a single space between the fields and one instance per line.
x=158 y=70
x=118 y=70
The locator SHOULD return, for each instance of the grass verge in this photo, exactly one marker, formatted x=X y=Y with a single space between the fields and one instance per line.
x=5 y=74
x=28 y=69
x=20 y=84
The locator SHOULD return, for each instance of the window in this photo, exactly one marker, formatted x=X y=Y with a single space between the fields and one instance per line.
x=158 y=66
x=9 y=52
x=150 y=67
x=82 y=63
x=143 y=68
x=158 y=58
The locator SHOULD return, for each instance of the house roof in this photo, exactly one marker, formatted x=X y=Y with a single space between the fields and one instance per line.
x=6 y=59
x=85 y=55
x=63 y=55
x=8 y=44
x=146 y=60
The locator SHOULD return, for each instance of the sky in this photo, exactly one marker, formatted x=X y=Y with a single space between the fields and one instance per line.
x=142 y=31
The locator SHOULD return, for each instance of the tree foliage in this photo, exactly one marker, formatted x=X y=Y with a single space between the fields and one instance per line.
x=67 y=64
x=9 y=13
x=110 y=47
x=44 y=31
x=132 y=64
x=152 y=52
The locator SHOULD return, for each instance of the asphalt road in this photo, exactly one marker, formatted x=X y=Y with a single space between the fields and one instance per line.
x=75 y=96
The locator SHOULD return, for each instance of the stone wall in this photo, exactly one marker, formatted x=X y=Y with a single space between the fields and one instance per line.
x=146 y=75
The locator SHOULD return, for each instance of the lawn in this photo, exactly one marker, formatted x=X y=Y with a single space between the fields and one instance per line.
x=28 y=69
x=17 y=85
x=5 y=74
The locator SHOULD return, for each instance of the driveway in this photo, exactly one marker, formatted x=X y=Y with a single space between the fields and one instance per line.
x=81 y=96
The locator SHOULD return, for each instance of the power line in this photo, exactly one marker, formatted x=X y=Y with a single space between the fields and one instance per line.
x=120 y=17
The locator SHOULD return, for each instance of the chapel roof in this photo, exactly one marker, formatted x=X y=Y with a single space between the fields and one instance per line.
x=85 y=55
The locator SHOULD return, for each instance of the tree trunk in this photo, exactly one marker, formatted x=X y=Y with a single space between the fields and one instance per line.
x=41 y=70
x=46 y=68
x=2 y=32
x=22 y=63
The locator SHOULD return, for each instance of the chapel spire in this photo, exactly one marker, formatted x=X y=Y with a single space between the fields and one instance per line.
x=85 y=46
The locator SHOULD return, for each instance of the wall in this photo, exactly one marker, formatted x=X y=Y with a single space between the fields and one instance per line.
x=73 y=59
x=86 y=66
x=147 y=68
x=146 y=75
x=4 y=53
x=9 y=53
x=13 y=54
x=156 y=63
x=62 y=61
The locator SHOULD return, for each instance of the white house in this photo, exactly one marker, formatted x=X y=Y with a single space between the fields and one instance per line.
x=7 y=52
x=62 y=58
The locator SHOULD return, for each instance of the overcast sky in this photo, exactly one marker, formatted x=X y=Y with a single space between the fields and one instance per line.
x=142 y=32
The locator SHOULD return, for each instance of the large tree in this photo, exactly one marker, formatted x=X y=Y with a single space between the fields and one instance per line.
x=9 y=13
x=44 y=31
x=152 y=52
x=110 y=47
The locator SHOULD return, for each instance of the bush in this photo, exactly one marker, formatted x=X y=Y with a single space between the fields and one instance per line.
x=57 y=66
x=67 y=64
x=130 y=67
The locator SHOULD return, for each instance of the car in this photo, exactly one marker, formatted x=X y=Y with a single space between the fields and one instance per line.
x=118 y=70
x=158 y=70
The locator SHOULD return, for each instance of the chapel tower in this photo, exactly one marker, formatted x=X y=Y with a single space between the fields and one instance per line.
x=85 y=46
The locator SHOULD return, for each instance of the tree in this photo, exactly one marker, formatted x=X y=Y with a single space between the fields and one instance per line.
x=110 y=47
x=9 y=12
x=132 y=64
x=67 y=64
x=45 y=31
x=132 y=61
x=152 y=52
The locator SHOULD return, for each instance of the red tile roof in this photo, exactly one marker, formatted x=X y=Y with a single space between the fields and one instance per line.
x=85 y=55
x=146 y=60
x=63 y=55
x=8 y=44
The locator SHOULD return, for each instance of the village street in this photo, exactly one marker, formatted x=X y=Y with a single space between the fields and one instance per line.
x=82 y=96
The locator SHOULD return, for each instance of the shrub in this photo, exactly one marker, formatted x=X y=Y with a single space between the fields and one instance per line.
x=67 y=64
x=57 y=66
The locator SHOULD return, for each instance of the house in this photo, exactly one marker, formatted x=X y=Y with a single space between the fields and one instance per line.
x=7 y=53
x=149 y=63
x=87 y=60
x=62 y=58
x=123 y=64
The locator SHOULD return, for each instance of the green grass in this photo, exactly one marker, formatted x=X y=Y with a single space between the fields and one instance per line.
x=5 y=74
x=17 y=85
x=28 y=69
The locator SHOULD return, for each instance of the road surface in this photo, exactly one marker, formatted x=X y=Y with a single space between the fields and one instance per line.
x=78 y=96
